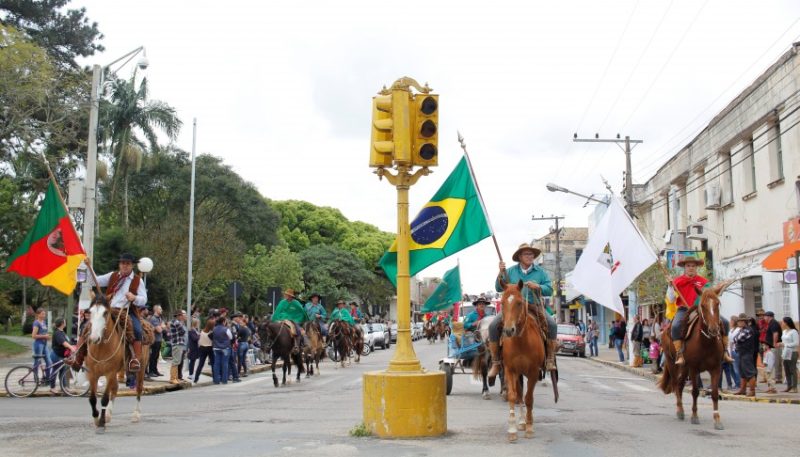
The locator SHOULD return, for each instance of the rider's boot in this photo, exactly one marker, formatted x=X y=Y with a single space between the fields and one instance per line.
x=550 y=364
x=678 y=345
x=494 y=348
x=725 y=356
x=134 y=364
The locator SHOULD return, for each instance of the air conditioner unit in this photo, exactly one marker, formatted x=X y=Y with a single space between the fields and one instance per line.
x=696 y=232
x=713 y=196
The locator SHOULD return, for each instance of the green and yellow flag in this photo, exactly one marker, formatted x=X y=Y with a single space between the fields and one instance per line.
x=52 y=250
x=453 y=220
x=446 y=294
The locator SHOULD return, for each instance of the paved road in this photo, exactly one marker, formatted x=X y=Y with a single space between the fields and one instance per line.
x=602 y=411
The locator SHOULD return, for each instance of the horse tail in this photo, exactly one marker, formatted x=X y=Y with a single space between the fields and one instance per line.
x=667 y=381
x=477 y=363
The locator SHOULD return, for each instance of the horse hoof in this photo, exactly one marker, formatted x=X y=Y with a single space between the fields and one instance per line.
x=529 y=434
x=521 y=427
x=136 y=417
x=486 y=396
x=719 y=426
x=512 y=437
x=680 y=416
x=100 y=430
x=695 y=420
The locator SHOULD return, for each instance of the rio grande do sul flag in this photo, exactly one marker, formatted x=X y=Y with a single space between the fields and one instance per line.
x=451 y=221
x=52 y=250
x=615 y=255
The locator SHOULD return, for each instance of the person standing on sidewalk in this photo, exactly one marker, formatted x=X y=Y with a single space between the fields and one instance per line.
x=746 y=346
x=618 y=335
x=637 y=336
x=773 y=340
x=192 y=346
x=206 y=348
x=735 y=329
x=593 y=333
x=41 y=352
x=177 y=335
x=789 y=343
x=221 y=338
x=243 y=339
x=155 y=349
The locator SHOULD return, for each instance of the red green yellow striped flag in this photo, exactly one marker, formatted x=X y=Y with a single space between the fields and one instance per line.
x=52 y=251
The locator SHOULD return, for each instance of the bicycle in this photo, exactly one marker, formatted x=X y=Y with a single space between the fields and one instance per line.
x=23 y=381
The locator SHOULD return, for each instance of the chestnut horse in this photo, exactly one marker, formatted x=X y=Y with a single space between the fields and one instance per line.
x=703 y=351
x=430 y=331
x=523 y=355
x=340 y=338
x=105 y=356
x=314 y=350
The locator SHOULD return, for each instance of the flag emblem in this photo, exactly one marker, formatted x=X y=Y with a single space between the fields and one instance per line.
x=435 y=223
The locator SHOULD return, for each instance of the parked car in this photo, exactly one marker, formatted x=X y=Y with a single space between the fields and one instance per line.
x=417 y=330
x=377 y=335
x=393 y=333
x=570 y=340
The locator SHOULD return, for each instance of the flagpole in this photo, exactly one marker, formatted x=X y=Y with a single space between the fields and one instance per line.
x=480 y=196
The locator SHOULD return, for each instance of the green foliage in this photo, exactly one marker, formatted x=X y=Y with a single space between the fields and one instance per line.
x=9 y=348
x=277 y=267
x=360 y=431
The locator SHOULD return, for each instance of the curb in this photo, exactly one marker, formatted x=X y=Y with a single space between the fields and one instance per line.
x=160 y=387
x=722 y=396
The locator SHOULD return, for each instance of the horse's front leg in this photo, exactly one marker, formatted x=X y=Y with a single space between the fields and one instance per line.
x=485 y=380
x=101 y=423
x=695 y=393
x=137 y=412
x=679 y=395
x=716 y=377
x=274 y=376
x=512 y=403
x=529 y=405
x=93 y=398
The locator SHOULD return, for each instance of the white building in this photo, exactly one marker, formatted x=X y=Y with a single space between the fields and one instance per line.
x=730 y=189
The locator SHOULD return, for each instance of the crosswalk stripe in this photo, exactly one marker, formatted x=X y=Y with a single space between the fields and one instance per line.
x=633 y=386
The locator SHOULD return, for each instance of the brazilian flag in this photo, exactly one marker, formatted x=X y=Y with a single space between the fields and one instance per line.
x=453 y=220
x=446 y=294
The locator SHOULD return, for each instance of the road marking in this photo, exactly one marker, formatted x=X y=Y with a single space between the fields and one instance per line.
x=613 y=377
x=353 y=383
x=633 y=386
x=600 y=385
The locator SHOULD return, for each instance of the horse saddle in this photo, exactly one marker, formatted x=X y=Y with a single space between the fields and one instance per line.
x=290 y=325
x=690 y=320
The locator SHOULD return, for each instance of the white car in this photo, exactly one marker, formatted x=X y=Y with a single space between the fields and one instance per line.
x=376 y=335
x=417 y=331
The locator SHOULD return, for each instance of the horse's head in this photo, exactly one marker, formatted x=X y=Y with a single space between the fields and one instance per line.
x=265 y=335
x=709 y=306
x=514 y=309
x=99 y=315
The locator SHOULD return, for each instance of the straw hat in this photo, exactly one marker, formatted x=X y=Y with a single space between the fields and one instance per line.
x=525 y=247
x=289 y=292
x=691 y=259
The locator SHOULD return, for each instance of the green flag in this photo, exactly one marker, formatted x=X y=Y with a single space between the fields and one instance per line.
x=453 y=220
x=446 y=293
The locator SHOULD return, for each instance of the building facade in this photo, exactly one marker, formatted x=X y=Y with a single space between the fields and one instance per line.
x=571 y=242
x=730 y=189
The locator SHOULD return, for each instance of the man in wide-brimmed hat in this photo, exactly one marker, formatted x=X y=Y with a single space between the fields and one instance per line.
x=316 y=312
x=690 y=286
x=536 y=284
x=124 y=289
x=472 y=319
x=341 y=313
x=289 y=309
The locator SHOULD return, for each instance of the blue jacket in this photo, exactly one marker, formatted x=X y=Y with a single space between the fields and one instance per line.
x=471 y=321
x=535 y=274
x=312 y=311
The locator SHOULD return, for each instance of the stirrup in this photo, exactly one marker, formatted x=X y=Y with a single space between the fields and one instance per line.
x=134 y=365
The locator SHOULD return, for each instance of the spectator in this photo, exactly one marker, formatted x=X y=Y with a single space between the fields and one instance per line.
x=155 y=349
x=177 y=332
x=205 y=348
x=772 y=340
x=746 y=346
x=243 y=332
x=789 y=342
x=637 y=335
x=593 y=333
x=736 y=374
x=40 y=351
x=655 y=337
x=61 y=347
x=192 y=346
x=233 y=361
x=647 y=334
x=221 y=339
x=619 y=339
x=612 y=329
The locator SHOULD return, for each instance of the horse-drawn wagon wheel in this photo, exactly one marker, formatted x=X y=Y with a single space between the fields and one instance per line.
x=448 y=374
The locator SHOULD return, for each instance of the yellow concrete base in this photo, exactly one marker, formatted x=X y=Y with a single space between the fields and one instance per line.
x=405 y=405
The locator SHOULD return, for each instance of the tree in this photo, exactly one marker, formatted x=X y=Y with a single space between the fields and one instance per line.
x=336 y=273
x=128 y=112
x=64 y=34
x=277 y=267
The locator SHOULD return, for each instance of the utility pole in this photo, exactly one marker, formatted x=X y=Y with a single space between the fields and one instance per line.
x=625 y=145
x=557 y=296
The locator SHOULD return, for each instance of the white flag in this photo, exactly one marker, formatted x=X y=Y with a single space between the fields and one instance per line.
x=615 y=256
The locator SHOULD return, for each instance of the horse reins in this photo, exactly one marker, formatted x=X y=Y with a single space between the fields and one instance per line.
x=122 y=337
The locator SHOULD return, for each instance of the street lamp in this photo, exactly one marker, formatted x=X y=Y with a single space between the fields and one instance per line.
x=145 y=265
x=556 y=188
x=91 y=154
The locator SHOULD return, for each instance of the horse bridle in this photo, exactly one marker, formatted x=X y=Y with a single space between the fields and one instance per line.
x=115 y=326
x=268 y=345
x=704 y=329
x=520 y=326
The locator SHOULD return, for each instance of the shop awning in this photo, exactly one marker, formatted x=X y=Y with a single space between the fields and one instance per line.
x=777 y=260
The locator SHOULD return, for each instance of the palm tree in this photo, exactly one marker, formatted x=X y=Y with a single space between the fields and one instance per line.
x=128 y=113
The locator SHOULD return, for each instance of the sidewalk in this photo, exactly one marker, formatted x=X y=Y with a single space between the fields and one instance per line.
x=609 y=357
x=156 y=386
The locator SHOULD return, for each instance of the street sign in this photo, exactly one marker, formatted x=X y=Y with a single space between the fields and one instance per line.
x=791 y=262
x=235 y=289
x=790 y=277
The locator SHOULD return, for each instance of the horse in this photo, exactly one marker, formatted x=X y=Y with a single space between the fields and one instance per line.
x=105 y=356
x=703 y=351
x=430 y=331
x=441 y=330
x=483 y=360
x=315 y=349
x=276 y=337
x=523 y=355
x=339 y=336
x=357 y=341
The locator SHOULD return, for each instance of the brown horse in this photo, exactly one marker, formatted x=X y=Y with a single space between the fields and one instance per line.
x=703 y=351
x=105 y=356
x=276 y=337
x=523 y=355
x=430 y=331
x=314 y=349
x=441 y=330
x=357 y=341
x=340 y=338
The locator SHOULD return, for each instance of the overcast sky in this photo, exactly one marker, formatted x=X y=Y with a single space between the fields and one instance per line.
x=282 y=92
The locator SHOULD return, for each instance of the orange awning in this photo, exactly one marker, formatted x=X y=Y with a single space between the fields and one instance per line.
x=777 y=260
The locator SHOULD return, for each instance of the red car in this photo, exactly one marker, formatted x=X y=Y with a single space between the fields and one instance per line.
x=570 y=340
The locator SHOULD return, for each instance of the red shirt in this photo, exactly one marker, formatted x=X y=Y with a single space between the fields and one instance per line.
x=688 y=288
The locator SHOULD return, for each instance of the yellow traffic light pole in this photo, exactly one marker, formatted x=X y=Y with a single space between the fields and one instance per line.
x=404 y=401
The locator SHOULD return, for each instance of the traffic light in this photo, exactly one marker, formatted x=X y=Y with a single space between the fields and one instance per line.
x=381 y=146
x=425 y=130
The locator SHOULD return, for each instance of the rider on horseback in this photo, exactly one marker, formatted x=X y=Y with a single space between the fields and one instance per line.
x=316 y=312
x=472 y=319
x=289 y=309
x=537 y=283
x=123 y=289
x=341 y=313
x=690 y=285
